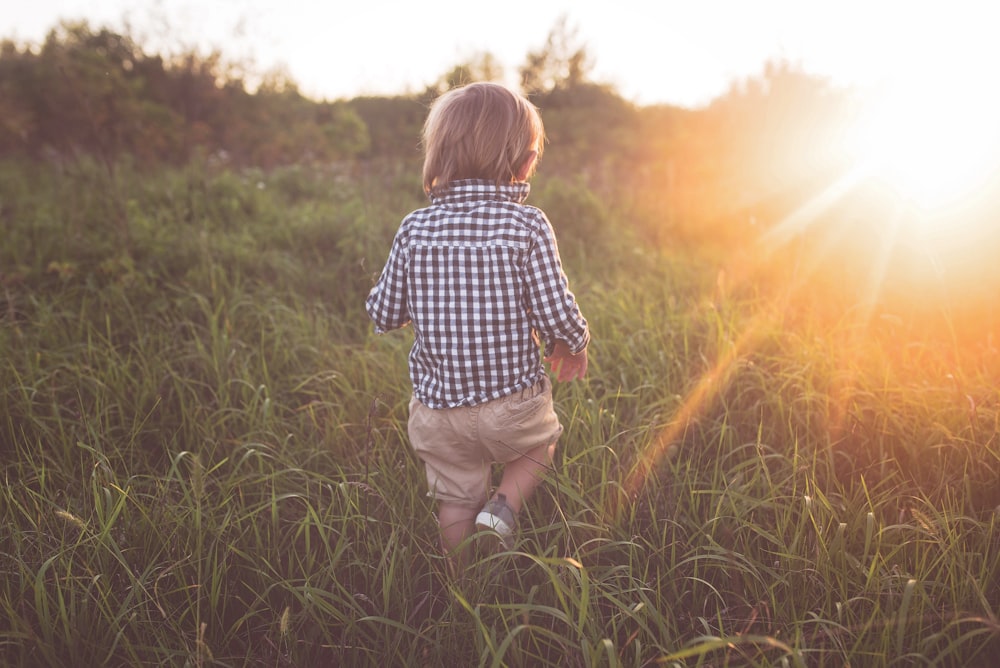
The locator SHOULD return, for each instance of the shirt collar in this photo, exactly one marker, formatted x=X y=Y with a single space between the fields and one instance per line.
x=478 y=190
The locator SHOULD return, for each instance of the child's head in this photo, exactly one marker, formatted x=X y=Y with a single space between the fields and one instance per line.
x=481 y=131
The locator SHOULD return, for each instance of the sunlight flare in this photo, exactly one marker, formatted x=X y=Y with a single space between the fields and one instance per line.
x=934 y=139
x=708 y=388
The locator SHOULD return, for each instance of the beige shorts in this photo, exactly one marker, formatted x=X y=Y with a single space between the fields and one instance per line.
x=458 y=445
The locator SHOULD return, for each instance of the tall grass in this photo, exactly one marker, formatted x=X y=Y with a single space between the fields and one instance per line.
x=205 y=462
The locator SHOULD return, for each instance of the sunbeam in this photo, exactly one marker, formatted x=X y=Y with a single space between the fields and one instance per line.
x=710 y=385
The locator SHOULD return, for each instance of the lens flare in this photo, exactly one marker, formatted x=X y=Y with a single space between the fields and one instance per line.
x=936 y=144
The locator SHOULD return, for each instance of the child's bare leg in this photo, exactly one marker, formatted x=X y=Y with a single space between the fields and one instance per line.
x=522 y=476
x=457 y=523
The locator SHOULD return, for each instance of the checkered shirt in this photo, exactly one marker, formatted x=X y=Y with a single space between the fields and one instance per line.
x=478 y=275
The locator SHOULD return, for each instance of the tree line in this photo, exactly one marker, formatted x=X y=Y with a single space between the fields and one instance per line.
x=94 y=92
x=87 y=91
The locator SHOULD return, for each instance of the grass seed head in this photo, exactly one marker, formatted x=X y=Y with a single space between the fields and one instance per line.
x=72 y=519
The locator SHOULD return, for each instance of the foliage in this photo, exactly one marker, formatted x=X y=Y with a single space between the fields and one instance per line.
x=393 y=124
x=781 y=130
x=591 y=131
x=204 y=455
x=779 y=457
x=96 y=92
x=482 y=66
x=562 y=63
x=682 y=174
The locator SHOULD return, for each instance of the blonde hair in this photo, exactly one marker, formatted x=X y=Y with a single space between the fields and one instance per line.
x=479 y=131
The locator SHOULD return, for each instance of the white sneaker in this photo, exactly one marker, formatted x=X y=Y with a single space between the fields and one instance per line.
x=497 y=516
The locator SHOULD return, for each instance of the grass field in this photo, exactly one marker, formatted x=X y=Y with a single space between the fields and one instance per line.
x=205 y=460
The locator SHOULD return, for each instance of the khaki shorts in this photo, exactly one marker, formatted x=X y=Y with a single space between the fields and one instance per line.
x=458 y=445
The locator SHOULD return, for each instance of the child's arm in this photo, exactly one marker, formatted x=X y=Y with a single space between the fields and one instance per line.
x=565 y=364
x=555 y=315
x=386 y=303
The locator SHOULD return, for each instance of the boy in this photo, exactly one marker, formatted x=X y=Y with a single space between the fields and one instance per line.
x=478 y=275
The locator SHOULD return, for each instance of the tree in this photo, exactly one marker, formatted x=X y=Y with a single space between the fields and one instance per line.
x=562 y=63
x=94 y=92
x=483 y=66
x=393 y=124
x=82 y=92
x=591 y=131
x=766 y=145
x=17 y=123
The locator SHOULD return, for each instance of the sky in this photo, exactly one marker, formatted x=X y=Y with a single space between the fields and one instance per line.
x=683 y=52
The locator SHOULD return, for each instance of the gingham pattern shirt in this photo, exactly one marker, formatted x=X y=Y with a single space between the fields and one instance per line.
x=477 y=273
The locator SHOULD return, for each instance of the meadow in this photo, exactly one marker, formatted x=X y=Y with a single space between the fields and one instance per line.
x=205 y=461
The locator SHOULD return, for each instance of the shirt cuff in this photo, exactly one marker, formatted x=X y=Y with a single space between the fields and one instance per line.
x=576 y=346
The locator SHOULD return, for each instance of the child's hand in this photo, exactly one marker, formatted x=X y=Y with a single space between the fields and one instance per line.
x=566 y=365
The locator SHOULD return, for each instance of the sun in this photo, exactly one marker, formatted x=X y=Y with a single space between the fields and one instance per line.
x=914 y=205
x=933 y=138
x=922 y=154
